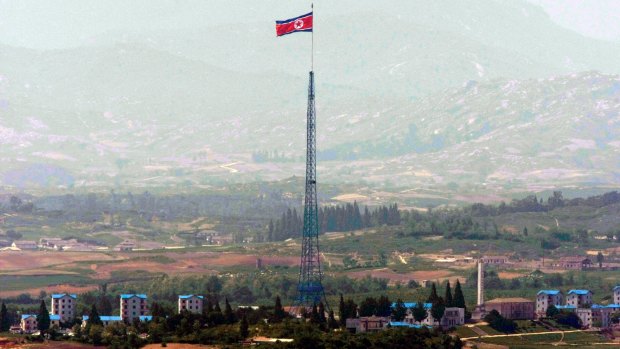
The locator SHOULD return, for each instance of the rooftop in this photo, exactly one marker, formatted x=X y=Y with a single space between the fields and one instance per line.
x=413 y=304
x=186 y=296
x=127 y=296
x=509 y=300
x=579 y=292
x=60 y=295
x=549 y=292
x=25 y=316
x=104 y=318
x=404 y=324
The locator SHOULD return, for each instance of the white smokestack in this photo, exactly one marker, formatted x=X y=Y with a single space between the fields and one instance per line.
x=480 y=282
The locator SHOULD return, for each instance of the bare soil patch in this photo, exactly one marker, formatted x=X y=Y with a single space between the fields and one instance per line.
x=64 y=288
x=394 y=277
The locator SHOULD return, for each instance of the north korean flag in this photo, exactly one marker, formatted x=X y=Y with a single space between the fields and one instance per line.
x=302 y=23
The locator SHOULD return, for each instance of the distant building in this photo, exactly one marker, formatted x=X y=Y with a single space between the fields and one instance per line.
x=25 y=245
x=191 y=303
x=512 y=308
x=125 y=246
x=5 y=243
x=575 y=263
x=28 y=323
x=495 y=260
x=367 y=324
x=596 y=316
x=579 y=298
x=133 y=306
x=545 y=299
x=106 y=320
x=452 y=316
x=64 y=305
x=617 y=294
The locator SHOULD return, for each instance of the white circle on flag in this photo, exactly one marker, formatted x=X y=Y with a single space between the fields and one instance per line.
x=298 y=24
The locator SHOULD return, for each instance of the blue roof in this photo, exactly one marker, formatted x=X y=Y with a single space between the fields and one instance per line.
x=616 y=288
x=566 y=307
x=186 y=296
x=25 y=316
x=549 y=292
x=579 y=292
x=54 y=317
x=597 y=306
x=60 y=295
x=104 y=318
x=413 y=304
x=127 y=296
x=405 y=324
x=146 y=318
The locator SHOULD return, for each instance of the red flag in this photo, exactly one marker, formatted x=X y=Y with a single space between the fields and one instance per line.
x=302 y=23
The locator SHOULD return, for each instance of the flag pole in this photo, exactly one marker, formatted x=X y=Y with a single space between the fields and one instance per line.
x=312 y=46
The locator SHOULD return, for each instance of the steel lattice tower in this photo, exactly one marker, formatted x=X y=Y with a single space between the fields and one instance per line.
x=310 y=288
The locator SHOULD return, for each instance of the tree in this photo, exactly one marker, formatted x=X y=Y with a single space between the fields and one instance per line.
x=229 y=316
x=5 y=322
x=322 y=318
x=438 y=309
x=332 y=324
x=459 y=298
x=433 y=296
x=399 y=311
x=525 y=231
x=552 y=311
x=278 y=311
x=368 y=307
x=599 y=259
x=499 y=323
x=342 y=311
x=244 y=327
x=448 y=297
x=384 y=306
x=419 y=312
x=43 y=318
x=568 y=318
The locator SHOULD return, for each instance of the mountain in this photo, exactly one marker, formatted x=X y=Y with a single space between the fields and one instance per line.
x=470 y=93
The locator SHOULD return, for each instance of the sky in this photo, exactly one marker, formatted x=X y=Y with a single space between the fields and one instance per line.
x=594 y=18
x=66 y=23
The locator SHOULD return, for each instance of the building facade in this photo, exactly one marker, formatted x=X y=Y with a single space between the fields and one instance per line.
x=28 y=323
x=367 y=324
x=617 y=294
x=63 y=305
x=191 y=303
x=547 y=298
x=596 y=316
x=579 y=298
x=575 y=263
x=512 y=308
x=133 y=306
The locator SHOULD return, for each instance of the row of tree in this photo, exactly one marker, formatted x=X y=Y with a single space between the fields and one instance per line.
x=339 y=218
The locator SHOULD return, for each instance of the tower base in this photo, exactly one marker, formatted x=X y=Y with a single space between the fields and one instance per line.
x=479 y=312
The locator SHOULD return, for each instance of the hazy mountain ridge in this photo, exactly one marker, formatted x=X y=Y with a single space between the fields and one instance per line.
x=183 y=105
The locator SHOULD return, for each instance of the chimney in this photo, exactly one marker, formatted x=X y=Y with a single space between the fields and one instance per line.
x=480 y=282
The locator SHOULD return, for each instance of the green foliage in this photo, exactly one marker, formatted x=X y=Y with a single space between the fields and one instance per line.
x=43 y=318
x=5 y=321
x=552 y=311
x=244 y=328
x=499 y=323
x=568 y=318
x=400 y=311
x=419 y=312
x=448 y=295
x=459 y=298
